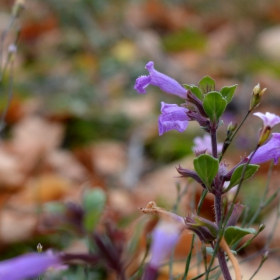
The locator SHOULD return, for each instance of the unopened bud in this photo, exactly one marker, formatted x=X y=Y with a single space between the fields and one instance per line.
x=17 y=8
x=39 y=248
x=256 y=89
x=261 y=227
x=256 y=97
x=231 y=128
x=207 y=231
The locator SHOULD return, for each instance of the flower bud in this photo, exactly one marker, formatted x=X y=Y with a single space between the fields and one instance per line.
x=256 y=97
x=231 y=128
x=17 y=8
x=206 y=231
x=190 y=174
x=39 y=248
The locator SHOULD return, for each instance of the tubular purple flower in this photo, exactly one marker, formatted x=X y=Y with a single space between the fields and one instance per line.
x=172 y=117
x=28 y=266
x=269 y=120
x=164 y=238
x=269 y=151
x=160 y=80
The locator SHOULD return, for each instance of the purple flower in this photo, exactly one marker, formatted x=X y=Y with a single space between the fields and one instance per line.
x=269 y=120
x=28 y=266
x=204 y=143
x=160 y=80
x=164 y=238
x=269 y=151
x=172 y=117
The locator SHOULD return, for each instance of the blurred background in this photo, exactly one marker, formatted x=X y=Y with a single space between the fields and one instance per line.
x=75 y=122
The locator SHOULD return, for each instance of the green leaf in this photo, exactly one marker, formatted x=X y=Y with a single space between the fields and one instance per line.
x=207 y=168
x=236 y=176
x=195 y=90
x=93 y=203
x=207 y=84
x=214 y=105
x=228 y=92
x=233 y=234
x=248 y=242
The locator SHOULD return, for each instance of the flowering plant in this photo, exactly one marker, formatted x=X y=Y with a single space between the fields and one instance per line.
x=106 y=246
x=205 y=105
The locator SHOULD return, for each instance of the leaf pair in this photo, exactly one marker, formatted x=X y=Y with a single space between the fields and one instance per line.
x=207 y=168
x=214 y=102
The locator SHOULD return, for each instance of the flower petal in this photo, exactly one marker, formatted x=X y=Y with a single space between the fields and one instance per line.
x=160 y=80
x=165 y=237
x=269 y=119
x=172 y=117
x=27 y=266
x=269 y=151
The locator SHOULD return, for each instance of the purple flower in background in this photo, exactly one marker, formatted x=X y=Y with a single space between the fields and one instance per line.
x=164 y=238
x=204 y=143
x=269 y=151
x=269 y=120
x=28 y=266
x=160 y=80
x=172 y=117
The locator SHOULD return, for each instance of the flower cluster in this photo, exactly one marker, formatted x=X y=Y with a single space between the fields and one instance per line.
x=172 y=116
x=177 y=117
x=206 y=106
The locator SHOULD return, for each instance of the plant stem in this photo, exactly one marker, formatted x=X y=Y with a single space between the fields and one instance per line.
x=221 y=229
x=213 y=134
x=218 y=209
x=220 y=253
x=203 y=195
x=223 y=264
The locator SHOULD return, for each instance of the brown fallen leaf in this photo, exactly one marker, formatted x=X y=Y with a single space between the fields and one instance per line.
x=65 y=164
x=32 y=138
x=46 y=187
x=16 y=226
